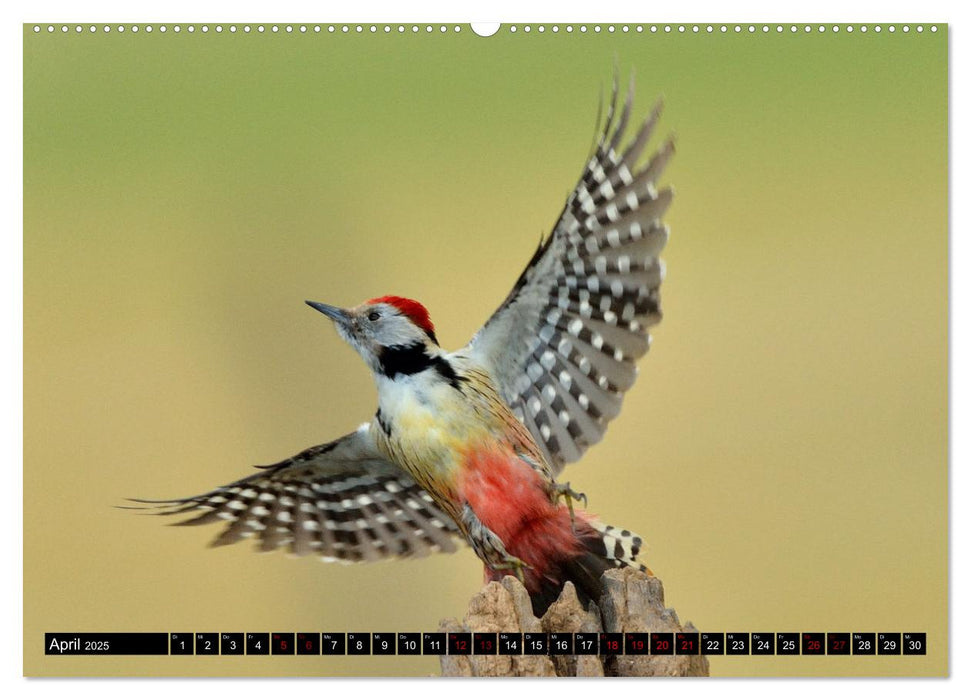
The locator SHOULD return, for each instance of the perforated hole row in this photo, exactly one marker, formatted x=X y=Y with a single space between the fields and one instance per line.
x=512 y=29
x=720 y=28
x=247 y=28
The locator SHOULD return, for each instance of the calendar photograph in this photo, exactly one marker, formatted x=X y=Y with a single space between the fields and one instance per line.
x=410 y=350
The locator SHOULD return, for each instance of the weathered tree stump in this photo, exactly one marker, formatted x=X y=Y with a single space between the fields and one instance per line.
x=632 y=602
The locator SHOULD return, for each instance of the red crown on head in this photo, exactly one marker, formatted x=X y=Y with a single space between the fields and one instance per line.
x=410 y=308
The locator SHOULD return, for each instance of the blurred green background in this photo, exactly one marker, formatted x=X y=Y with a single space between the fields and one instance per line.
x=784 y=452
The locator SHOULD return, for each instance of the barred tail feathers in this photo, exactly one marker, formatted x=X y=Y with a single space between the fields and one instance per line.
x=621 y=547
x=604 y=547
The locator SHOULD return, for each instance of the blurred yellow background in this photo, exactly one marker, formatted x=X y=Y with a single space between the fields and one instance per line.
x=784 y=452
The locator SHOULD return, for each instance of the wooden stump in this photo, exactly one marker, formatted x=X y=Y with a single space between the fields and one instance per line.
x=632 y=602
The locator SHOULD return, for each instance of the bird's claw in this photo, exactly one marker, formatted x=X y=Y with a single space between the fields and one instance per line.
x=569 y=495
x=514 y=564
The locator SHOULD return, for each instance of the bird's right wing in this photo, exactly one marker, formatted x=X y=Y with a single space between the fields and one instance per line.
x=341 y=501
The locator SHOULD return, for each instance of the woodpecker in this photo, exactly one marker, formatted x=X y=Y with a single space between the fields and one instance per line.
x=467 y=445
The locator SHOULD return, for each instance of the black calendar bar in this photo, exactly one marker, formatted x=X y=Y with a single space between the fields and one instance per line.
x=106 y=643
x=763 y=643
x=293 y=644
x=485 y=643
x=181 y=644
x=308 y=643
x=282 y=643
x=687 y=643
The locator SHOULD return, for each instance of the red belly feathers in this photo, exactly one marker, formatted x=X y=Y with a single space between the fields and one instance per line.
x=510 y=498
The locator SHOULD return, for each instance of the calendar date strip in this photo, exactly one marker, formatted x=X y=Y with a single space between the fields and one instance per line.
x=484 y=643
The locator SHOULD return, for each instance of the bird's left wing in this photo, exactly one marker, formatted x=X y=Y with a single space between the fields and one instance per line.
x=341 y=501
x=563 y=344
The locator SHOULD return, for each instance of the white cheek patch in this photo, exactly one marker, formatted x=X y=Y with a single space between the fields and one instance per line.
x=397 y=330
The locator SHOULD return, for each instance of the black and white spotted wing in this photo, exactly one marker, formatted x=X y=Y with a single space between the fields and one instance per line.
x=341 y=501
x=563 y=344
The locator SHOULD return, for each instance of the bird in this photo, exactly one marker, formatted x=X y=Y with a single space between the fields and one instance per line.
x=466 y=446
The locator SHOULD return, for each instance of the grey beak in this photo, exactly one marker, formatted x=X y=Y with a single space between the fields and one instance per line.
x=335 y=314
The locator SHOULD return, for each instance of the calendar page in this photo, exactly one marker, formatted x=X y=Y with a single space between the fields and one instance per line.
x=625 y=349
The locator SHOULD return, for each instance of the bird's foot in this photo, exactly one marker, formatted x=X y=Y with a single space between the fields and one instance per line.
x=514 y=564
x=569 y=495
x=489 y=548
